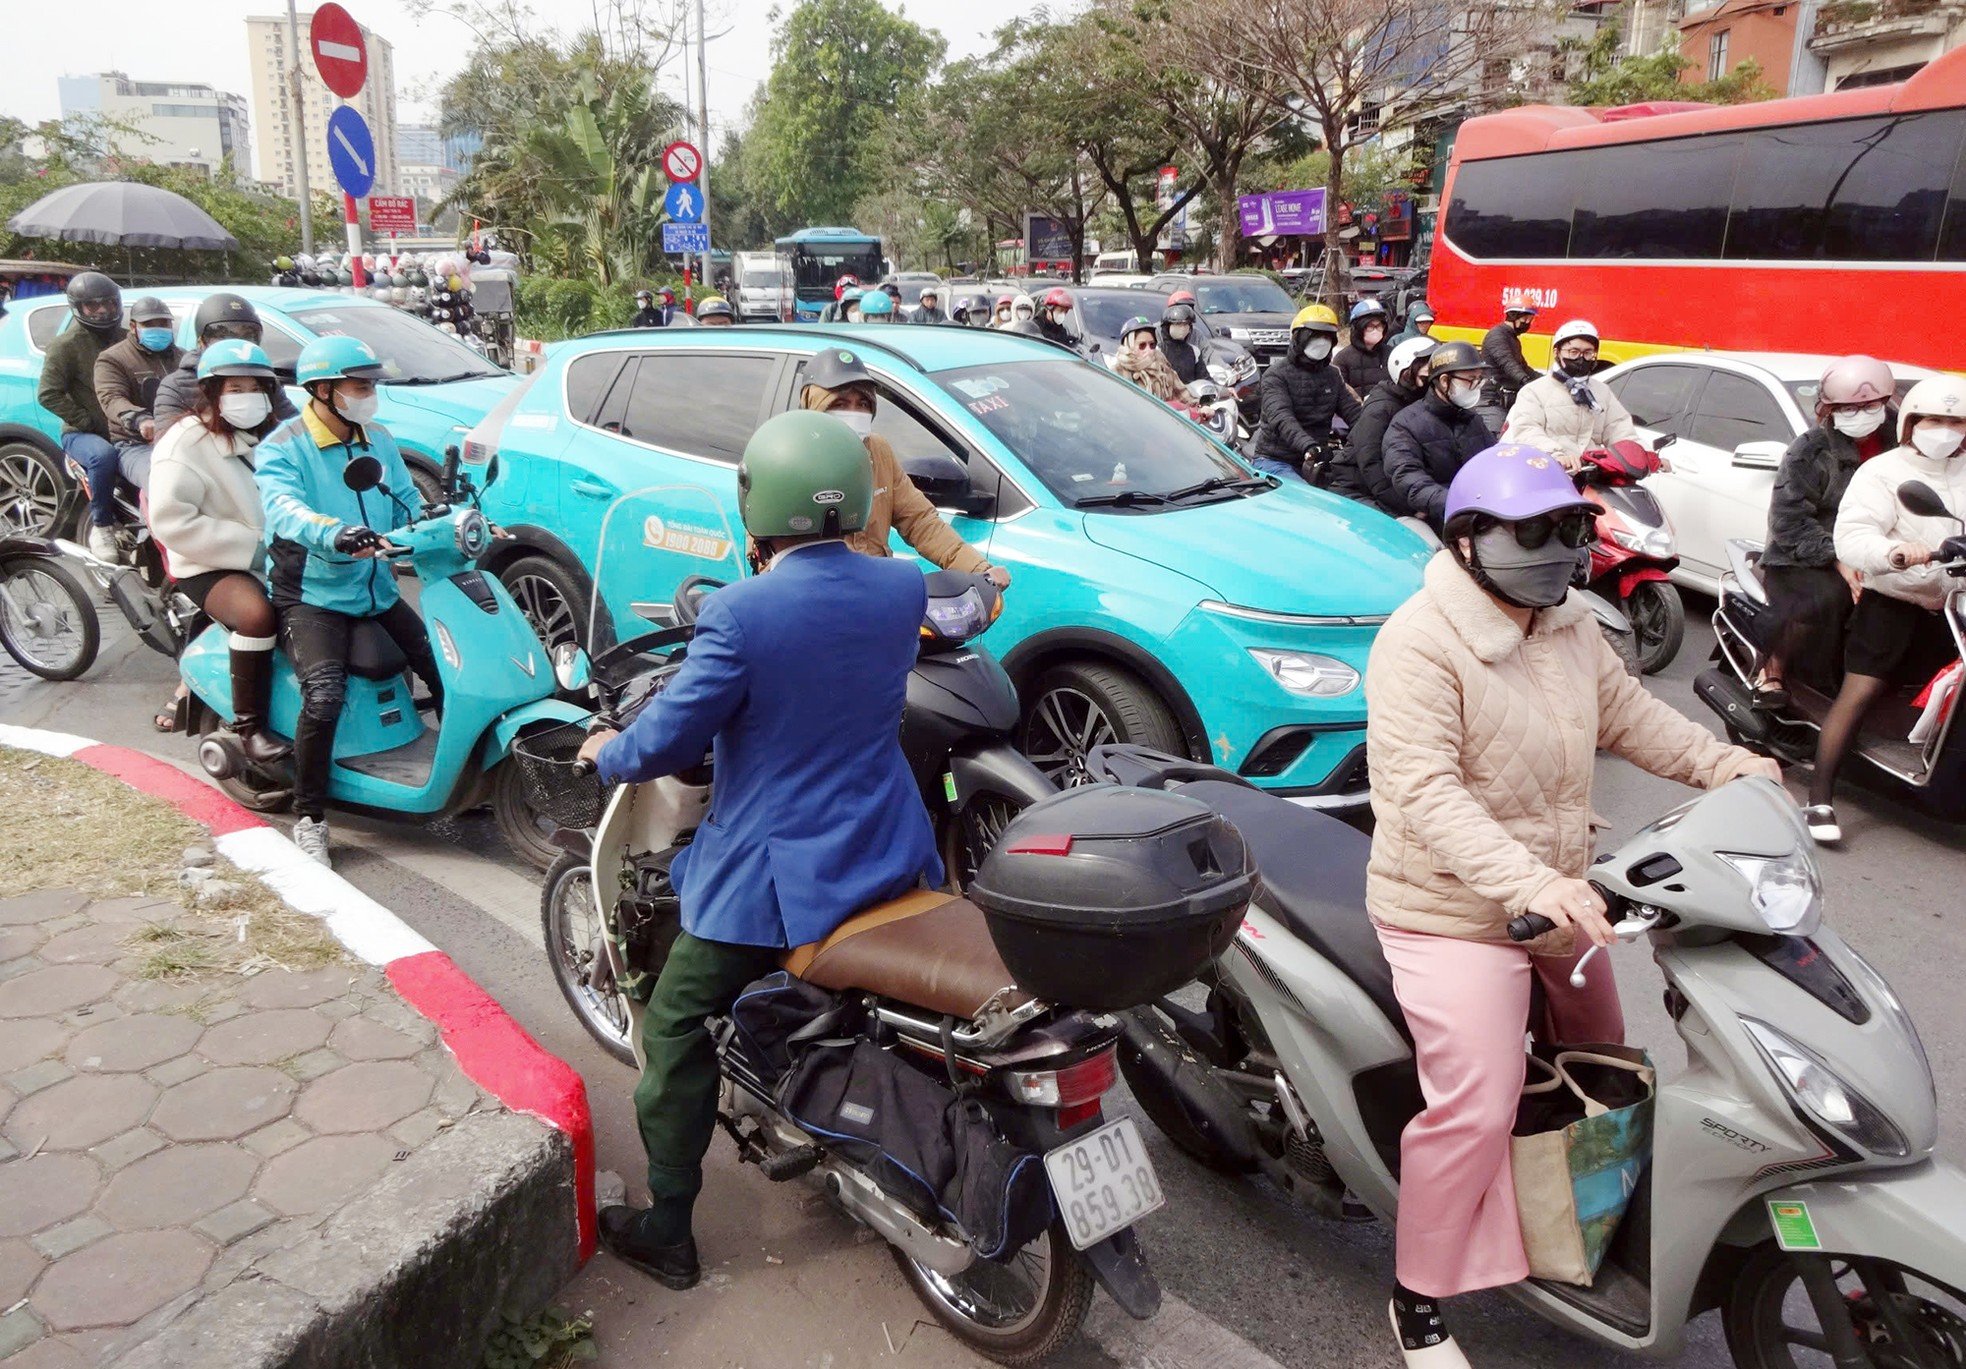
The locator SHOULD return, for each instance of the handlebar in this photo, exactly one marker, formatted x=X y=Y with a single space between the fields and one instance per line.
x=1529 y=926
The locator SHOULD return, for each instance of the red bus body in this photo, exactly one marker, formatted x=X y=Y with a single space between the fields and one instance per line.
x=1746 y=272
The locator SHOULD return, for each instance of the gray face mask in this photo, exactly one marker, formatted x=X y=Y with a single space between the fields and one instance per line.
x=1527 y=579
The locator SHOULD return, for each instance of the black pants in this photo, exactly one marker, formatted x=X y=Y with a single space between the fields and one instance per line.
x=317 y=643
x=1811 y=606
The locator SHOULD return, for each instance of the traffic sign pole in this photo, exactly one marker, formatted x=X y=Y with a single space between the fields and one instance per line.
x=354 y=240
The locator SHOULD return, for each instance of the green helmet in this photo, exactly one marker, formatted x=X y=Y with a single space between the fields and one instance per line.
x=804 y=473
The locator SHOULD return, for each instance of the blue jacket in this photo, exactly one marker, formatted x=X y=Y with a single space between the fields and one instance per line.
x=800 y=677
x=299 y=473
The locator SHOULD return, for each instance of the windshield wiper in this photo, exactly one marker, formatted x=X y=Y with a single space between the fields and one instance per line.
x=1224 y=482
x=1125 y=499
x=438 y=380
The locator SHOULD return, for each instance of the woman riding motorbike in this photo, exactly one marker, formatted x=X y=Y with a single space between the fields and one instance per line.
x=1141 y=362
x=1898 y=633
x=1488 y=695
x=1568 y=412
x=1177 y=328
x=1428 y=442
x=1810 y=592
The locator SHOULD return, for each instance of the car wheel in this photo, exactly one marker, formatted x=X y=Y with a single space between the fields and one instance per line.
x=552 y=597
x=428 y=490
x=32 y=484
x=1073 y=708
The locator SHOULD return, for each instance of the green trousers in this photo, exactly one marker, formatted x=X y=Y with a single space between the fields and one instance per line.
x=676 y=1100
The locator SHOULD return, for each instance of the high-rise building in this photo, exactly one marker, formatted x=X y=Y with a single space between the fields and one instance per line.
x=176 y=123
x=273 y=109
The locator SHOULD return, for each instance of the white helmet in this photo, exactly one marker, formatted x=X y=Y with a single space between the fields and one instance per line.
x=1576 y=327
x=1022 y=307
x=1941 y=396
x=1409 y=353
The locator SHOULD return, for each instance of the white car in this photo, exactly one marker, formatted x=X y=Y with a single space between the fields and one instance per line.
x=1733 y=415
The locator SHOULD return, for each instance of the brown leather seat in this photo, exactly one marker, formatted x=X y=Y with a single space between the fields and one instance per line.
x=927 y=949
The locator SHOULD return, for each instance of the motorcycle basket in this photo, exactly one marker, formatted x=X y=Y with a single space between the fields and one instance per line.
x=557 y=790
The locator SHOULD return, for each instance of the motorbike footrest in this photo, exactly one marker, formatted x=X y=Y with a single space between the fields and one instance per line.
x=792 y=1164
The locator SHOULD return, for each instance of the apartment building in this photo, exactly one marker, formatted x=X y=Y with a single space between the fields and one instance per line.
x=279 y=148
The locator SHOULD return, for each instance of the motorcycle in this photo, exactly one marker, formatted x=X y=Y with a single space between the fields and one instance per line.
x=1634 y=551
x=1794 y=1155
x=1216 y=410
x=139 y=581
x=1913 y=744
x=48 y=622
x=497 y=679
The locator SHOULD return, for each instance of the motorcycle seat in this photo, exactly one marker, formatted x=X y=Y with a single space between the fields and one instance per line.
x=373 y=653
x=1313 y=870
x=928 y=949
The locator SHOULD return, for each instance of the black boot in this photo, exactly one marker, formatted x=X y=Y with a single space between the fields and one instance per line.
x=252 y=687
x=624 y=1234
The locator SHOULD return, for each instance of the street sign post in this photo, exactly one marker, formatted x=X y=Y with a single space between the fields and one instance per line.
x=351 y=152
x=340 y=55
x=686 y=237
x=683 y=203
x=392 y=214
x=681 y=162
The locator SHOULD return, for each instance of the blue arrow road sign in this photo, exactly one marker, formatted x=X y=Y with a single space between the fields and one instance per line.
x=685 y=237
x=351 y=151
x=683 y=203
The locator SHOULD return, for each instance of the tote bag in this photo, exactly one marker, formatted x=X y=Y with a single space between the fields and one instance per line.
x=1583 y=1137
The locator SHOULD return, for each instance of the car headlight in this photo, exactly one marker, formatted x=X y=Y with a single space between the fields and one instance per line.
x=1820 y=1092
x=1653 y=542
x=1785 y=890
x=1307 y=673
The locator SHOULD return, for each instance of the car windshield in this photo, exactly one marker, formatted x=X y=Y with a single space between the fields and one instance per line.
x=1094 y=439
x=1103 y=313
x=1242 y=295
x=1804 y=392
x=912 y=287
x=411 y=351
x=814 y=269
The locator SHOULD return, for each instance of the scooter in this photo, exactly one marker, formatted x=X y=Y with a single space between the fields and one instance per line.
x=48 y=622
x=1795 y=1150
x=139 y=583
x=1216 y=410
x=1914 y=745
x=497 y=678
x=1631 y=561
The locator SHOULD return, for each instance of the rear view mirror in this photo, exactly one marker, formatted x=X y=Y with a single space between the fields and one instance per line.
x=1921 y=499
x=571 y=667
x=361 y=474
x=1760 y=456
x=939 y=476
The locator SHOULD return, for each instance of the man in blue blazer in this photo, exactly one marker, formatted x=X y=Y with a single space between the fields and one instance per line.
x=798 y=677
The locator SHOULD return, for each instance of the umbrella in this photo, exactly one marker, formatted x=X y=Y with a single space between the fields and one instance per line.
x=123 y=214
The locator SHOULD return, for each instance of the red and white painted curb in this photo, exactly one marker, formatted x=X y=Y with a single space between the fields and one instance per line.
x=494 y=1052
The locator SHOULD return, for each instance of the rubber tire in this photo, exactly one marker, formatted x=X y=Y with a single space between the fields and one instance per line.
x=91 y=625
x=513 y=813
x=576 y=594
x=1626 y=647
x=1172 y=1122
x=1067 y=1297
x=1763 y=1264
x=55 y=469
x=1672 y=611
x=425 y=480
x=569 y=864
x=1136 y=711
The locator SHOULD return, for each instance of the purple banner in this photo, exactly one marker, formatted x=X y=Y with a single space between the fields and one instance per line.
x=1282 y=213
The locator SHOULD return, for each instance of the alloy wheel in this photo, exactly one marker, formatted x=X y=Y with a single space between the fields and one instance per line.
x=30 y=495
x=1063 y=728
x=548 y=611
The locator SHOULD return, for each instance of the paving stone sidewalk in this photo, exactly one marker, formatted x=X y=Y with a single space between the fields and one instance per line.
x=163 y=1140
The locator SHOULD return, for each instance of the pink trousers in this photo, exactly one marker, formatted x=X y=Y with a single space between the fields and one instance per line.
x=1467 y=1005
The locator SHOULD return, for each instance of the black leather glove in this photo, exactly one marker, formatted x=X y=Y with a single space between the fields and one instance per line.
x=353 y=539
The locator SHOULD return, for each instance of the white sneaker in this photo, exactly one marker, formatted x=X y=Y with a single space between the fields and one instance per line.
x=103 y=544
x=1445 y=1355
x=1821 y=820
x=311 y=836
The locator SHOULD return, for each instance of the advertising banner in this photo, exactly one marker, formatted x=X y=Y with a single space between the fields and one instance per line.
x=1282 y=214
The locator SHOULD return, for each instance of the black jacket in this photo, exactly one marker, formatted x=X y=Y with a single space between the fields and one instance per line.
x=650 y=317
x=1183 y=357
x=1809 y=487
x=1508 y=369
x=1361 y=472
x=1426 y=444
x=924 y=314
x=1363 y=369
x=177 y=395
x=1054 y=332
x=1299 y=399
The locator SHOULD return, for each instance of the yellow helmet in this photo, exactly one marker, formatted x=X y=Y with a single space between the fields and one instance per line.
x=1316 y=316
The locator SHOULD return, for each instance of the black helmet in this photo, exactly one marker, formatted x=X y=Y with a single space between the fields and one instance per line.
x=226 y=315
x=97 y=301
x=148 y=308
x=835 y=369
x=1454 y=356
x=1178 y=313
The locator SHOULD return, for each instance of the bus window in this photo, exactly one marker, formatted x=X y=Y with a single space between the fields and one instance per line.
x=1515 y=206
x=1733 y=410
x=1851 y=190
x=1659 y=397
x=1664 y=199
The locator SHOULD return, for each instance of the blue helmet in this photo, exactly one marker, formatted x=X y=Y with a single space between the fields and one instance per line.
x=876 y=304
x=234 y=357
x=337 y=358
x=1365 y=309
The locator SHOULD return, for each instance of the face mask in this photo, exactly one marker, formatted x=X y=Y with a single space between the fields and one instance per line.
x=1858 y=422
x=861 y=423
x=1463 y=396
x=1372 y=336
x=1527 y=579
x=1317 y=349
x=1178 y=331
x=155 y=339
x=1578 y=366
x=244 y=411
x=358 y=411
x=1521 y=325
x=1937 y=443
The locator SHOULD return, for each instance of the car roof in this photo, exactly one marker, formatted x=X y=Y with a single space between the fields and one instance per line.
x=922 y=349
x=285 y=298
x=1129 y=292
x=1787 y=367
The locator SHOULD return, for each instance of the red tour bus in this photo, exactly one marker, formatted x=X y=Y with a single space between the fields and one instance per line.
x=1824 y=223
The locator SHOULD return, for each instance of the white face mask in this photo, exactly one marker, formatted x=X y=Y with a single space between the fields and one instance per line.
x=1464 y=394
x=357 y=410
x=1178 y=331
x=1317 y=349
x=1858 y=422
x=1372 y=335
x=861 y=423
x=1937 y=443
x=244 y=410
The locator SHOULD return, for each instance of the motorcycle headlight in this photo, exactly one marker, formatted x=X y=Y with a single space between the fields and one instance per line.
x=1306 y=673
x=1220 y=374
x=1824 y=1096
x=1785 y=890
x=1653 y=542
x=473 y=535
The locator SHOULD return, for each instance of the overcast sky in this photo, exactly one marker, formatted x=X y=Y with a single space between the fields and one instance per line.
x=205 y=41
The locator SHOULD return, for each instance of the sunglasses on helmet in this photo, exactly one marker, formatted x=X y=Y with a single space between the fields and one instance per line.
x=1576 y=529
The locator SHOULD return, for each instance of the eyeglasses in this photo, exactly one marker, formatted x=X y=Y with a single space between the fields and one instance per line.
x=1874 y=407
x=1576 y=529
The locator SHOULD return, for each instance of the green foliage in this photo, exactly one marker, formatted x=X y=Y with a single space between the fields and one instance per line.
x=551 y=1340
x=1606 y=78
x=551 y=307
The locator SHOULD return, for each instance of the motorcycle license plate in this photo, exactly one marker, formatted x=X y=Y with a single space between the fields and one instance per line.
x=1103 y=1181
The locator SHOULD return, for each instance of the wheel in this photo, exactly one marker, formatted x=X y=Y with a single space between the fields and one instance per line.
x=1075 y=707
x=1016 y=1310
x=48 y=623
x=32 y=485
x=425 y=480
x=552 y=598
x=570 y=924
x=1768 y=1316
x=526 y=831
x=1627 y=648
x=244 y=793
x=1151 y=1092
x=969 y=834
x=1658 y=617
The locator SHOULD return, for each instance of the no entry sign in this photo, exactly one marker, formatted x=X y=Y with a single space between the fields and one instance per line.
x=681 y=162
x=340 y=55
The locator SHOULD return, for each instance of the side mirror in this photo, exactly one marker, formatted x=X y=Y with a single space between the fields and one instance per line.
x=943 y=479
x=1759 y=456
x=362 y=474
x=1921 y=499
x=572 y=667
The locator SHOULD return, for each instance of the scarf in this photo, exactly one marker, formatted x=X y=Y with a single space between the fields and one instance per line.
x=1579 y=387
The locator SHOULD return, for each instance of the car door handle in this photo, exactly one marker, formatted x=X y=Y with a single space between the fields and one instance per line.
x=593 y=489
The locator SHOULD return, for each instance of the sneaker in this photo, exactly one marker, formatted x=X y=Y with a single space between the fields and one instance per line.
x=1821 y=820
x=311 y=836
x=103 y=544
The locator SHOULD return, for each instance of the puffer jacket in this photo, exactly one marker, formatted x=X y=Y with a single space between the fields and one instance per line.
x=1508 y=369
x=204 y=504
x=68 y=379
x=177 y=395
x=1482 y=743
x=1361 y=472
x=1546 y=416
x=1426 y=445
x=1362 y=368
x=1183 y=356
x=1871 y=521
x=1815 y=471
x=126 y=379
x=299 y=470
x=1299 y=399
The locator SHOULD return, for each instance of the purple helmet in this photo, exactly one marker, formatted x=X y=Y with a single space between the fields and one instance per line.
x=1512 y=481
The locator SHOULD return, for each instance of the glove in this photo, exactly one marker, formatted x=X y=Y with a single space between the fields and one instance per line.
x=356 y=539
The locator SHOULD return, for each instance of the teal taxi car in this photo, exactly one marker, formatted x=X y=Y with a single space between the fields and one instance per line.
x=1163 y=593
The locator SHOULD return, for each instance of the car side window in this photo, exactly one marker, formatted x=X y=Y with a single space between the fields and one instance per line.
x=588 y=379
x=281 y=347
x=701 y=404
x=1659 y=397
x=905 y=432
x=1733 y=410
x=43 y=325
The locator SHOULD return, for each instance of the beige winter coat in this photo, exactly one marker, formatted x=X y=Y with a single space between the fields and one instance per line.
x=1545 y=416
x=1482 y=743
x=204 y=506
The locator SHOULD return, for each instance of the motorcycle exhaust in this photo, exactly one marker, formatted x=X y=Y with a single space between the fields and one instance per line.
x=1155 y=1054
x=1732 y=701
